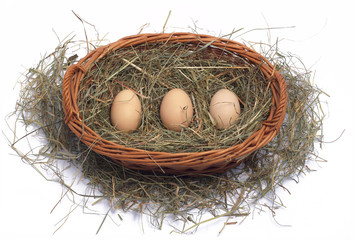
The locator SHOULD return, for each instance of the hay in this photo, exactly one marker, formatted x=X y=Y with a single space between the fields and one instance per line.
x=233 y=194
x=151 y=71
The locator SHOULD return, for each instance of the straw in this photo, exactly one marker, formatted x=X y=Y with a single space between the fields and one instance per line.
x=151 y=71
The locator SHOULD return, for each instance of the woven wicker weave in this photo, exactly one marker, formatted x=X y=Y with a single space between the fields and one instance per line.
x=213 y=161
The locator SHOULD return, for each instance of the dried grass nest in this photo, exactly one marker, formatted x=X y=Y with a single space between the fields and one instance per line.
x=232 y=193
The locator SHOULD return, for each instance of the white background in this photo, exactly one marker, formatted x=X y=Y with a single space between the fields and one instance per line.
x=319 y=207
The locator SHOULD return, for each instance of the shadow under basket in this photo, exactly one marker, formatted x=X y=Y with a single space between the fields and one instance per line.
x=184 y=163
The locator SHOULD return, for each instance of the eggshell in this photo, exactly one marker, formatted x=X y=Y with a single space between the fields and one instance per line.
x=126 y=111
x=224 y=108
x=176 y=110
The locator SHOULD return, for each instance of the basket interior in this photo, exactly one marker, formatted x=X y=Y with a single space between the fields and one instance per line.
x=152 y=70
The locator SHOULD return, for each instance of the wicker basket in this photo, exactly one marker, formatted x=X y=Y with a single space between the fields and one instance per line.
x=207 y=162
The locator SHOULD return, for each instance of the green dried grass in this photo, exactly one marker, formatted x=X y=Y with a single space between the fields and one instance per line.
x=151 y=71
x=233 y=194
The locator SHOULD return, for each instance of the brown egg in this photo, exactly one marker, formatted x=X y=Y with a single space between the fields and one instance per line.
x=224 y=108
x=176 y=110
x=126 y=111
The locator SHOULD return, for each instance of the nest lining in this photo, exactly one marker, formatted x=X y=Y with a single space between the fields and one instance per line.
x=151 y=70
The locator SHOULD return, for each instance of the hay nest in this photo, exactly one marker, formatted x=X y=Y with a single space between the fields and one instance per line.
x=231 y=194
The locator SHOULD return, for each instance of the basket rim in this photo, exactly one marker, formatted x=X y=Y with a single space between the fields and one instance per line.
x=171 y=161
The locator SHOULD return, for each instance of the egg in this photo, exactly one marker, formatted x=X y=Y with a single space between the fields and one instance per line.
x=126 y=111
x=224 y=108
x=176 y=110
